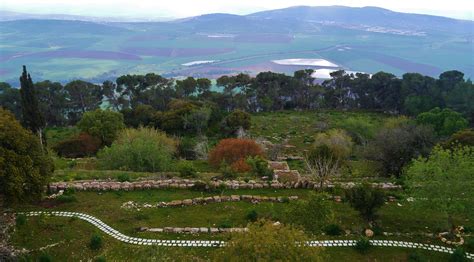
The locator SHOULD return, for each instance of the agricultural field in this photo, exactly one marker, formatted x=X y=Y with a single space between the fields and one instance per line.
x=63 y=50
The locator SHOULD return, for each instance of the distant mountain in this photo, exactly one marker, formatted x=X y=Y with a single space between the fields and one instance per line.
x=12 y=16
x=369 y=16
x=367 y=39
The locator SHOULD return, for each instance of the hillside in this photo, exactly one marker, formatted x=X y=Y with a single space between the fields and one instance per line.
x=365 y=39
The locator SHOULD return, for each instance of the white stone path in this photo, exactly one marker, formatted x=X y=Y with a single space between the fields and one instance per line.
x=216 y=243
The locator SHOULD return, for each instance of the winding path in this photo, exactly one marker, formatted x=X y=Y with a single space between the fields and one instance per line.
x=215 y=243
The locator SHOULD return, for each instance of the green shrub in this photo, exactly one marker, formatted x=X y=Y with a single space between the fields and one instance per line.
x=366 y=200
x=141 y=216
x=225 y=224
x=81 y=145
x=95 y=242
x=186 y=169
x=200 y=186
x=141 y=150
x=312 y=214
x=20 y=220
x=285 y=200
x=416 y=257
x=458 y=256
x=44 y=257
x=333 y=230
x=227 y=171
x=69 y=191
x=123 y=177
x=259 y=167
x=66 y=199
x=363 y=245
x=100 y=259
x=469 y=245
x=252 y=216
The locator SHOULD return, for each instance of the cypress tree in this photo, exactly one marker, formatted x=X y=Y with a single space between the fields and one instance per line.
x=32 y=117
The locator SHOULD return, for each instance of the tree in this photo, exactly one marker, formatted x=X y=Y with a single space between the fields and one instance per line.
x=445 y=122
x=102 y=124
x=141 y=115
x=32 y=117
x=366 y=200
x=313 y=214
x=52 y=99
x=234 y=151
x=10 y=99
x=266 y=241
x=236 y=120
x=186 y=87
x=327 y=155
x=460 y=99
x=81 y=145
x=82 y=97
x=203 y=86
x=444 y=182
x=462 y=138
x=197 y=120
x=140 y=150
x=450 y=79
x=24 y=167
x=395 y=146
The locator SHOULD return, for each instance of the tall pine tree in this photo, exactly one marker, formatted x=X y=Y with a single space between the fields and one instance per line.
x=32 y=117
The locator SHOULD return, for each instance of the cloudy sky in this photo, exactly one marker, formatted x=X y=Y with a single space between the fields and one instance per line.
x=184 y=8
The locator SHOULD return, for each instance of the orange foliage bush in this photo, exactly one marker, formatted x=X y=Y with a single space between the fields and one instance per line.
x=234 y=152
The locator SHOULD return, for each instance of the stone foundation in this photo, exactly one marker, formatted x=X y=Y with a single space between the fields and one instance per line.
x=98 y=185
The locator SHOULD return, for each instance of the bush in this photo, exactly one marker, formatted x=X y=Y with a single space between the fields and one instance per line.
x=416 y=257
x=123 y=177
x=445 y=122
x=333 y=230
x=186 y=147
x=267 y=242
x=312 y=214
x=20 y=220
x=227 y=171
x=186 y=169
x=458 y=256
x=82 y=145
x=234 y=150
x=259 y=167
x=66 y=199
x=24 y=167
x=103 y=125
x=225 y=224
x=234 y=121
x=470 y=245
x=461 y=138
x=141 y=150
x=44 y=257
x=363 y=245
x=366 y=200
x=95 y=242
x=252 y=216
x=395 y=146
x=100 y=259
x=200 y=186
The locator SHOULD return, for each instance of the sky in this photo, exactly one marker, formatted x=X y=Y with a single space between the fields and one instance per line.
x=462 y=9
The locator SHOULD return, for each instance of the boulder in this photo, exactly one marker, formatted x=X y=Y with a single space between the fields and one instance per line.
x=369 y=233
x=235 y=198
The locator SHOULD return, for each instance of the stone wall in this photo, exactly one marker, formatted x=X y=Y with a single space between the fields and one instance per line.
x=209 y=200
x=98 y=185
x=194 y=230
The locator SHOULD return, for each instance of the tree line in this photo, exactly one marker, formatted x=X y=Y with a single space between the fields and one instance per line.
x=411 y=94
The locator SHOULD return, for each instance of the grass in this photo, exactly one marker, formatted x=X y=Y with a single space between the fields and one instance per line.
x=299 y=128
x=72 y=235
